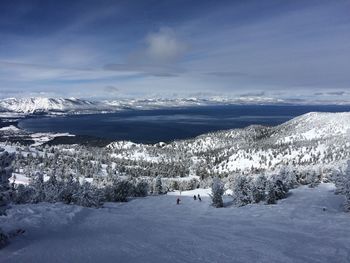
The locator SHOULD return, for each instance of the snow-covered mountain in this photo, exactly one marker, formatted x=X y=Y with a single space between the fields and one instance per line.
x=78 y=106
x=27 y=106
x=46 y=105
x=308 y=141
x=314 y=126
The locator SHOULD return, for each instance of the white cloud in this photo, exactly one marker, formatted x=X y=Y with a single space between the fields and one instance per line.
x=164 y=46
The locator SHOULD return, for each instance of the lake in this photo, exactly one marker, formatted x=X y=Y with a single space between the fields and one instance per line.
x=151 y=126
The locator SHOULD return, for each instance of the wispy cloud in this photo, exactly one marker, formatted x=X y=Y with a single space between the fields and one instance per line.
x=258 y=48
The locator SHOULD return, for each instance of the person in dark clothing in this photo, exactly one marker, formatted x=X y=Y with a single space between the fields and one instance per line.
x=178 y=201
x=199 y=198
x=194 y=197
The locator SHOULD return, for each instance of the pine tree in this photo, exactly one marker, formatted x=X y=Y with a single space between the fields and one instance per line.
x=122 y=191
x=217 y=191
x=38 y=188
x=69 y=187
x=5 y=173
x=258 y=189
x=52 y=189
x=88 y=196
x=271 y=194
x=23 y=194
x=241 y=190
x=158 y=188
x=5 y=189
x=141 y=189
x=343 y=186
x=275 y=190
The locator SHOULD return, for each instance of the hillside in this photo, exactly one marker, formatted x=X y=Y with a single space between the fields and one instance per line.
x=315 y=142
x=311 y=149
x=308 y=140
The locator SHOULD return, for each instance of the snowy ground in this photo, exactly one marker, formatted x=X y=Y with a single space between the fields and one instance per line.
x=155 y=229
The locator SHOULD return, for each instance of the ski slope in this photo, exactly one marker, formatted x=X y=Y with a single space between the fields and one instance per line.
x=308 y=226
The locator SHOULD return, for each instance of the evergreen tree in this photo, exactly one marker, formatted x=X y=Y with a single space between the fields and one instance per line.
x=5 y=189
x=122 y=191
x=69 y=187
x=38 y=188
x=23 y=194
x=276 y=190
x=158 y=188
x=88 y=196
x=343 y=186
x=258 y=189
x=271 y=194
x=141 y=189
x=241 y=190
x=5 y=173
x=52 y=189
x=217 y=191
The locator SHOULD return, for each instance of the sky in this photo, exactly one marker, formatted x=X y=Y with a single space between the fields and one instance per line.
x=175 y=48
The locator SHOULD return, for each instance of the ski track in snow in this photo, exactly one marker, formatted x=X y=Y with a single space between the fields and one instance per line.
x=155 y=229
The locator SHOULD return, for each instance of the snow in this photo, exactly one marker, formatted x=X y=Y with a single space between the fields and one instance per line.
x=308 y=226
x=10 y=128
x=316 y=125
x=56 y=106
x=41 y=138
x=42 y=104
x=201 y=192
x=19 y=179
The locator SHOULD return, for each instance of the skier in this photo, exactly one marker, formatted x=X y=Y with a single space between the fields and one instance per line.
x=178 y=201
x=195 y=197
x=199 y=198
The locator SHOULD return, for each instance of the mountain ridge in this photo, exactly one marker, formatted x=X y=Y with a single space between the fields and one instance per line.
x=52 y=106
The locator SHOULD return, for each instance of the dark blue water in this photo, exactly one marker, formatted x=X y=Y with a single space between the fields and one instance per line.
x=150 y=126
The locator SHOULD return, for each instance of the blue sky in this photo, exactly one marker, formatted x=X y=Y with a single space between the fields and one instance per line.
x=114 y=49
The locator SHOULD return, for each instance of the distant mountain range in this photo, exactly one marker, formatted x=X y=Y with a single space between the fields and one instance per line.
x=54 y=106
x=47 y=105
x=41 y=105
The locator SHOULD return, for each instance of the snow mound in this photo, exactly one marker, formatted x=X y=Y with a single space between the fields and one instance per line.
x=39 y=217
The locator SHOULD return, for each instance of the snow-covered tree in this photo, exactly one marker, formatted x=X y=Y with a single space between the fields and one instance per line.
x=281 y=189
x=38 y=188
x=88 y=196
x=23 y=194
x=258 y=189
x=241 y=190
x=52 y=189
x=5 y=173
x=118 y=191
x=68 y=188
x=287 y=176
x=276 y=190
x=343 y=186
x=158 y=187
x=313 y=179
x=5 y=189
x=217 y=191
x=140 y=189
